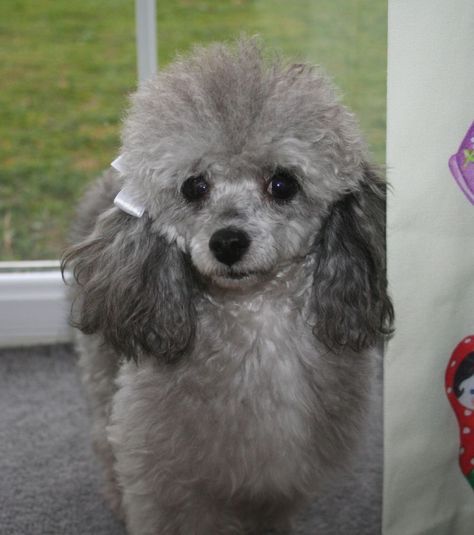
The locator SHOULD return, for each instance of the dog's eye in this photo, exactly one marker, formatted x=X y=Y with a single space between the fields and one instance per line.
x=283 y=185
x=194 y=188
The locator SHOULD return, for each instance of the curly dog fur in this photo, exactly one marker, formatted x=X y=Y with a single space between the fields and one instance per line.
x=228 y=333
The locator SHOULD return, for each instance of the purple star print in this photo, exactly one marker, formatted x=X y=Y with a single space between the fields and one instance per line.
x=461 y=164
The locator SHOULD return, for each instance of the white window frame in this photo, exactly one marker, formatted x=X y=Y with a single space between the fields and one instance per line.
x=33 y=297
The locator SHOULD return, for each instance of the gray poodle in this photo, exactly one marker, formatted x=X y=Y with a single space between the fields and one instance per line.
x=231 y=300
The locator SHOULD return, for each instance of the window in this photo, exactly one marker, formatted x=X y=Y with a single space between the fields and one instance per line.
x=68 y=67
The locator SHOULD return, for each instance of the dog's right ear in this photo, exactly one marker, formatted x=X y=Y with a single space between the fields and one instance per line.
x=133 y=288
x=352 y=306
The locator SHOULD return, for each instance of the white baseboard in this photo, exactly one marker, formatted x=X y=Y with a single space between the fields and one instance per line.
x=33 y=307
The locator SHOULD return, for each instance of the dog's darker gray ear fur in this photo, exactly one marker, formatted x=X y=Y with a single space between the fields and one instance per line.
x=133 y=288
x=353 y=308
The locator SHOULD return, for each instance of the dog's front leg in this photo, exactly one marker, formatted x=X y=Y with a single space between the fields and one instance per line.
x=193 y=518
x=164 y=491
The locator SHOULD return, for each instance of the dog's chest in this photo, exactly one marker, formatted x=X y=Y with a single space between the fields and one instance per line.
x=255 y=345
x=258 y=395
x=240 y=409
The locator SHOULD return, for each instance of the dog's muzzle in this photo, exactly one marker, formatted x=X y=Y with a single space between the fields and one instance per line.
x=229 y=245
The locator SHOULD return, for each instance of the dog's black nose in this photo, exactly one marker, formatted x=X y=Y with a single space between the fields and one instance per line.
x=229 y=244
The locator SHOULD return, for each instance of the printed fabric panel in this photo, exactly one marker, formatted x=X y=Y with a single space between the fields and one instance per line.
x=429 y=362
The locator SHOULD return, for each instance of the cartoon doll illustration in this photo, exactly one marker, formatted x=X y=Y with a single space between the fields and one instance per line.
x=460 y=392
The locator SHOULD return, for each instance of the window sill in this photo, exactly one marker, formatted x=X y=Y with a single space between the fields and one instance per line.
x=33 y=304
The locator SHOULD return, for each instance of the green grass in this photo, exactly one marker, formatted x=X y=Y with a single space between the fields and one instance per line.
x=67 y=68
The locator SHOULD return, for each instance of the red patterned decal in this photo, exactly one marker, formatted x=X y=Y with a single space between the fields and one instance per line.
x=460 y=392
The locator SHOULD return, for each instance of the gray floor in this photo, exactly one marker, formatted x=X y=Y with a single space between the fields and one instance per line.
x=49 y=479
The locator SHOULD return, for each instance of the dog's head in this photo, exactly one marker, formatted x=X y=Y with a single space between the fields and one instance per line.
x=243 y=166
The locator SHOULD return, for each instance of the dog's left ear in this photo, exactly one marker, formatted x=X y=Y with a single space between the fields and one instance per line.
x=350 y=296
x=132 y=288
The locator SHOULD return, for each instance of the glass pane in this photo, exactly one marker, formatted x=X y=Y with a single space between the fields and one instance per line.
x=67 y=68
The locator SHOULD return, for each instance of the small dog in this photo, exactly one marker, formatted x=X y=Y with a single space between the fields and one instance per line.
x=230 y=317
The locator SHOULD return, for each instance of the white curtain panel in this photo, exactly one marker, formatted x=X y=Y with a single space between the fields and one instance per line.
x=430 y=269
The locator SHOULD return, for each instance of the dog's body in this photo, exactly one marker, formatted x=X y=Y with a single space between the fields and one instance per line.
x=261 y=306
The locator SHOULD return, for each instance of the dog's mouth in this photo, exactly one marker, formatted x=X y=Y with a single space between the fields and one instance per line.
x=232 y=278
x=239 y=275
